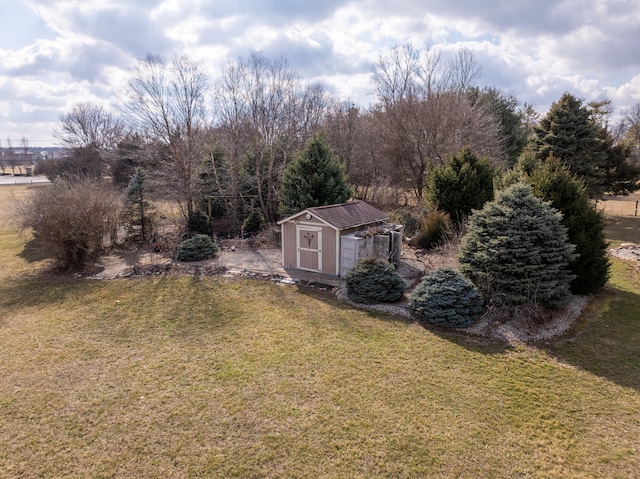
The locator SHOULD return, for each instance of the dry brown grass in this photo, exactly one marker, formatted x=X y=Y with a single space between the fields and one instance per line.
x=184 y=377
x=623 y=226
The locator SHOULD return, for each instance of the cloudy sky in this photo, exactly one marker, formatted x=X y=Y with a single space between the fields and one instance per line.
x=54 y=53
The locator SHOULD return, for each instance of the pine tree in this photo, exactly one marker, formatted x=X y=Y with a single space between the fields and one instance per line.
x=463 y=184
x=314 y=178
x=516 y=251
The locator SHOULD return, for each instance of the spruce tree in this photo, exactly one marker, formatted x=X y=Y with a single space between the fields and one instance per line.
x=585 y=225
x=463 y=184
x=138 y=211
x=314 y=178
x=568 y=133
x=516 y=251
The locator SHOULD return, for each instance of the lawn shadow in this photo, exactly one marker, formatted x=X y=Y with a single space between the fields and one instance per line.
x=43 y=290
x=468 y=341
x=605 y=341
x=32 y=252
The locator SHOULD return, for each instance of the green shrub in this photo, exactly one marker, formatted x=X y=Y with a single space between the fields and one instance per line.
x=446 y=298
x=197 y=248
x=435 y=230
x=374 y=280
x=254 y=222
x=199 y=223
x=462 y=184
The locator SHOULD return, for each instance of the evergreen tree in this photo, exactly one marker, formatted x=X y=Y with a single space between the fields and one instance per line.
x=463 y=184
x=138 y=210
x=568 y=133
x=585 y=225
x=621 y=175
x=314 y=178
x=516 y=251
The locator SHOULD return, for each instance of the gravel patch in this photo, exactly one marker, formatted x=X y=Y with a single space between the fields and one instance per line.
x=507 y=324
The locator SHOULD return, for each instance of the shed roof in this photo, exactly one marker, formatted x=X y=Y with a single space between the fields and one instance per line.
x=345 y=215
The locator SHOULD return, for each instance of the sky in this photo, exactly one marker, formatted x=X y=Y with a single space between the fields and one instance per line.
x=55 y=53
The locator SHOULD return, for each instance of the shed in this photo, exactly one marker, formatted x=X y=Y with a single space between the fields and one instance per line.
x=331 y=239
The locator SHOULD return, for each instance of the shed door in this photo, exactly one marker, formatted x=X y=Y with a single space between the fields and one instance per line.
x=309 y=243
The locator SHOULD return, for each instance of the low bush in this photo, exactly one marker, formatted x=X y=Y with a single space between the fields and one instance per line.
x=446 y=298
x=374 y=280
x=72 y=219
x=197 y=248
x=435 y=230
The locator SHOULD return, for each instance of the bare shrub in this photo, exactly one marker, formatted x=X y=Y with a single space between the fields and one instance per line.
x=72 y=220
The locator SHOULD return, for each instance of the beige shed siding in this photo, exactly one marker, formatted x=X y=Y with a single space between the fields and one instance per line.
x=330 y=222
x=289 y=252
x=329 y=252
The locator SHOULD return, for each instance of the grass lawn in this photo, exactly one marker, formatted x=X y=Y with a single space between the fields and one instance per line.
x=182 y=377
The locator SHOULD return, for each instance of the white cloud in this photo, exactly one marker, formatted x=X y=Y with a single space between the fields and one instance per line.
x=79 y=50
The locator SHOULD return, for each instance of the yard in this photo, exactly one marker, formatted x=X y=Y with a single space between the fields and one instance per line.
x=211 y=377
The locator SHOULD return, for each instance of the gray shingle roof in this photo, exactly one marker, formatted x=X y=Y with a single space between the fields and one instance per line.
x=349 y=215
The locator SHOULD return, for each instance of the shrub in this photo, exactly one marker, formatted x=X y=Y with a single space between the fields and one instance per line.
x=446 y=298
x=435 y=230
x=72 y=219
x=462 y=184
x=516 y=251
x=199 y=223
x=254 y=222
x=374 y=280
x=197 y=248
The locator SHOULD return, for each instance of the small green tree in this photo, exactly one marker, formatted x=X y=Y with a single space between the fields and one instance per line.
x=199 y=223
x=446 y=298
x=585 y=225
x=314 y=178
x=374 y=280
x=517 y=252
x=138 y=212
x=196 y=248
x=463 y=184
x=254 y=222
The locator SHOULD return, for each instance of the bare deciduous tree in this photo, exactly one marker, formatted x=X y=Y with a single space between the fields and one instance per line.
x=425 y=114
x=89 y=125
x=10 y=156
x=632 y=132
x=265 y=115
x=166 y=101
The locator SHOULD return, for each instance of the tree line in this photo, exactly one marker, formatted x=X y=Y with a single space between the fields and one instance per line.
x=227 y=142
